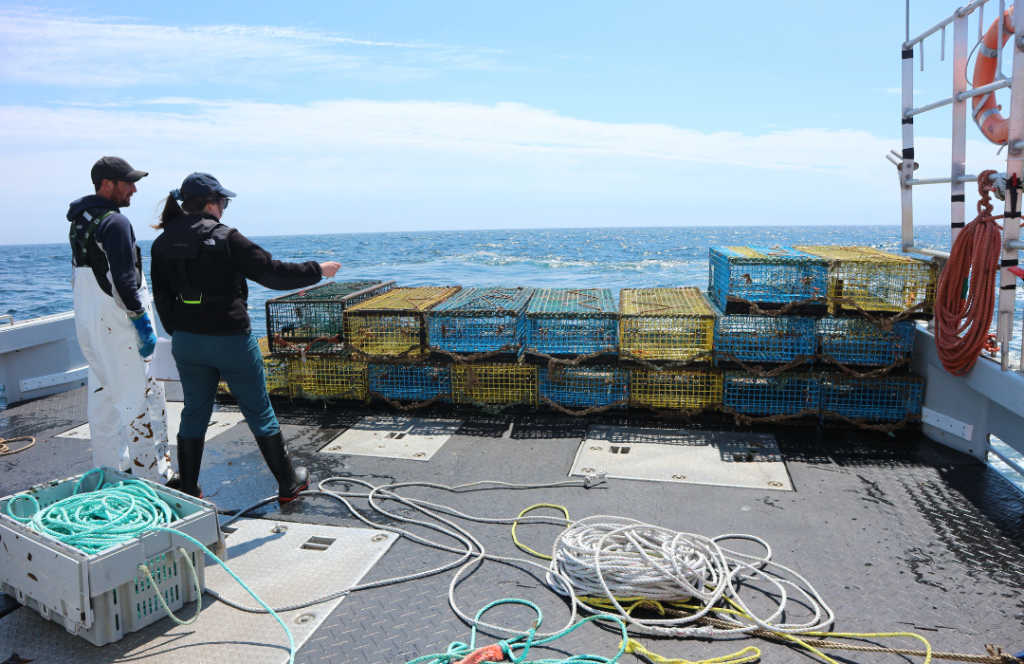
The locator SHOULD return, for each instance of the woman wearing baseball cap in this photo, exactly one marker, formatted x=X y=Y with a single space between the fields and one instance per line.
x=199 y=273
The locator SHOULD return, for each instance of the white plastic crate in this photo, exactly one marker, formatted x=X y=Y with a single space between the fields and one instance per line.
x=103 y=596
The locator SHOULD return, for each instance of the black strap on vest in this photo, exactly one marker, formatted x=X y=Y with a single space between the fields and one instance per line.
x=81 y=235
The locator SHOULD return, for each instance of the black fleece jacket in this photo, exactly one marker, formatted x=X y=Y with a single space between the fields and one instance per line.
x=225 y=260
x=116 y=239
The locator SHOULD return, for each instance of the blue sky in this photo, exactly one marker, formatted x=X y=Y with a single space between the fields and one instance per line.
x=343 y=116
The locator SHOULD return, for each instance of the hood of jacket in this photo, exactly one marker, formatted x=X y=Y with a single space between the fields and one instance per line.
x=91 y=201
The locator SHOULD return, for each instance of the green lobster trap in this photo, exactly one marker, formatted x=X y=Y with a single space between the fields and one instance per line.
x=665 y=324
x=572 y=321
x=868 y=280
x=311 y=321
x=394 y=323
x=686 y=389
x=494 y=384
x=478 y=320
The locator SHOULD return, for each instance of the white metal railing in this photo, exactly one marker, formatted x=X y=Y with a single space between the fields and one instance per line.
x=958 y=153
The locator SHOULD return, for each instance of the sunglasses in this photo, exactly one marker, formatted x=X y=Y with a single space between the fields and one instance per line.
x=224 y=203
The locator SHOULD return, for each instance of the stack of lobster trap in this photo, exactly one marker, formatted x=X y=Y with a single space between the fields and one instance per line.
x=783 y=333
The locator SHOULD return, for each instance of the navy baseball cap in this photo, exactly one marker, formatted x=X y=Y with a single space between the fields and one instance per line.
x=202 y=184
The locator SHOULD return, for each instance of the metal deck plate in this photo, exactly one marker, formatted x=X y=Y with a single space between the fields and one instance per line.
x=741 y=460
x=220 y=422
x=274 y=565
x=394 y=437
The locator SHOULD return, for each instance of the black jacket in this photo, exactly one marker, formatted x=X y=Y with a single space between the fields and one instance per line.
x=115 y=238
x=216 y=260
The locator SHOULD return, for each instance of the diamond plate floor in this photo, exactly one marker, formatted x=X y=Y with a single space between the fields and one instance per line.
x=896 y=533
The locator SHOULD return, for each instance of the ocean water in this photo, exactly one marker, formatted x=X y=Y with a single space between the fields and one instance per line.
x=35 y=279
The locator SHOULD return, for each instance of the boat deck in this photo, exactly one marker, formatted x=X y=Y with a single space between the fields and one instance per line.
x=896 y=533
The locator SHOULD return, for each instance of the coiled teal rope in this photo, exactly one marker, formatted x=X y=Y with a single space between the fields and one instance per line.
x=457 y=650
x=114 y=513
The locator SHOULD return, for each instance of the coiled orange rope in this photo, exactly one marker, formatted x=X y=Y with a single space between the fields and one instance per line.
x=965 y=301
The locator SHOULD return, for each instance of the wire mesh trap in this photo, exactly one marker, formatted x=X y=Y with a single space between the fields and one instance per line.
x=665 y=324
x=393 y=323
x=886 y=399
x=859 y=342
x=769 y=277
x=327 y=379
x=477 y=320
x=877 y=282
x=312 y=319
x=584 y=387
x=772 y=339
x=572 y=321
x=401 y=382
x=785 y=394
x=494 y=384
x=688 y=389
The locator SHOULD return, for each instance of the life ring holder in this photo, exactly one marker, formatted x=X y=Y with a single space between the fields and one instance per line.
x=986 y=112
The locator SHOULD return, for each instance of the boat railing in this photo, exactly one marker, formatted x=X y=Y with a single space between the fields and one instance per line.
x=958 y=176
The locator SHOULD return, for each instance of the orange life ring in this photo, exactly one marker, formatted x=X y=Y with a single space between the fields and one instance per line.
x=986 y=113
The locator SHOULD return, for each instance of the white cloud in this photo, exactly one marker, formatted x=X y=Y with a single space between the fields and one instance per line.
x=406 y=164
x=63 y=49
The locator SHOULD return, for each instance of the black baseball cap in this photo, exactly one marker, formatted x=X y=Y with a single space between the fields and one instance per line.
x=202 y=184
x=115 y=168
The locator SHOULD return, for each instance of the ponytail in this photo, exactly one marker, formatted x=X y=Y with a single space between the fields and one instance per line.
x=190 y=206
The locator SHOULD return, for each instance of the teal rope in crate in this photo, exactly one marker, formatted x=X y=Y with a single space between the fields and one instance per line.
x=116 y=513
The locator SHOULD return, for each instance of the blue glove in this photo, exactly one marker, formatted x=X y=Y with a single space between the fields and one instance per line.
x=147 y=337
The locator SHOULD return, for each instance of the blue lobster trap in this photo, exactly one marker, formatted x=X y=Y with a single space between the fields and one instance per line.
x=477 y=320
x=771 y=339
x=885 y=399
x=572 y=321
x=402 y=382
x=584 y=387
x=858 y=341
x=769 y=277
x=785 y=394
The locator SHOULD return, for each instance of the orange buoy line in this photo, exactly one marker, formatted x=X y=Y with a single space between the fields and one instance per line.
x=986 y=114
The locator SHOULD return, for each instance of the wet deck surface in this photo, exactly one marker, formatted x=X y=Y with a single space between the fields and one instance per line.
x=895 y=533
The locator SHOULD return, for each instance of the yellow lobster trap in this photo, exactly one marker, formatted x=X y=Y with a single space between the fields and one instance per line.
x=318 y=378
x=685 y=389
x=494 y=384
x=394 y=323
x=665 y=324
x=869 y=280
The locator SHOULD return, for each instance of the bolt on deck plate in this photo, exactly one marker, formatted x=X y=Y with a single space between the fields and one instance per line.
x=741 y=460
x=394 y=437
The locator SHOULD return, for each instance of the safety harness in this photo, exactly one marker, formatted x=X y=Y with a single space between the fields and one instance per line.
x=85 y=251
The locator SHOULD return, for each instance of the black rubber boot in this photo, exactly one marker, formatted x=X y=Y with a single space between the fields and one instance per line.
x=190 y=459
x=290 y=480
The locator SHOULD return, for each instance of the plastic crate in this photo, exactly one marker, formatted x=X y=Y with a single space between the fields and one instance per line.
x=394 y=323
x=400 y=382
x=477 y=320
x=771 y=339
x=298 y=319
x=327 y=379
x=785 y=394
x=878 y=282
x=494 y=384
x=688 y=389
x=856 y=341
x=886 y=399
x=572 y=321
x=101 y=596
x=770 y=277
x=665 y=324
x=584 y=387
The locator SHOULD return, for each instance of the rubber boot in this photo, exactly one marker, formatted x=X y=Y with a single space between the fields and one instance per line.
x=290 y=480
x=190 y=458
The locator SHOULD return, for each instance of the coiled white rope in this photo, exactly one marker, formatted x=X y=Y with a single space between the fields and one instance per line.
x=619 y=559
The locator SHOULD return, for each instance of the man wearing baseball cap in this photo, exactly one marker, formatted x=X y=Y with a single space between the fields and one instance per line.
x=113 y=317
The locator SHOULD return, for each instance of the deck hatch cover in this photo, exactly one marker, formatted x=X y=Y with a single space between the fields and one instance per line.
x=741 y=460
x=394 y=437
